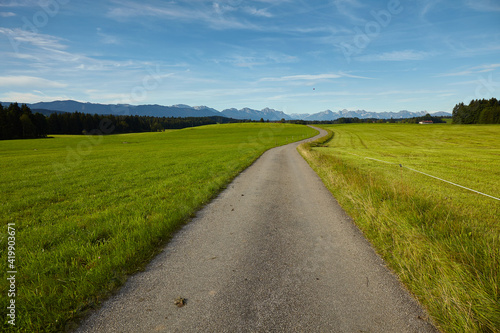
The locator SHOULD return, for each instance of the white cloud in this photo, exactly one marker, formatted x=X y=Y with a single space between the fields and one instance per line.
x=212 y=15
x=347 y=8
x=461 y=73
x=42 y=52
x=483 y=5
x=31 y=97
x=18 y=3
x=412 y=92
x=428 y=6
x=7 y=14
x=489 y=66
x=472 y=71
x=108 y=97
x=222 y=9
x=407 y=55
x=249 y=58
x=19 y=36
x=258 y=12
x=311 y=77
x=30 y=82
x=108 y=39
x=129 y=9
x=315 y=94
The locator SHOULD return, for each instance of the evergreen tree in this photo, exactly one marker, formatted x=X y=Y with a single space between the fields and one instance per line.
x=477 y=112
x=15 y=130
x=3 y=123
x=29 y=129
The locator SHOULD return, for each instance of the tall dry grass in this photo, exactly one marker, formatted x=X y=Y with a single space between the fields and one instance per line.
x=448 y=258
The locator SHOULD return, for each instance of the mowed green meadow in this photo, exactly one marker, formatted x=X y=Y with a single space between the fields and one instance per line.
x=90 y=210
x=442 y=241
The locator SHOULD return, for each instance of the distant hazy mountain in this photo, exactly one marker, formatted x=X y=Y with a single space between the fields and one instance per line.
x=441 y=114
x=125 y=109
x=182 y=110
x=299 y=115
x=362 y=114
x=252 y=114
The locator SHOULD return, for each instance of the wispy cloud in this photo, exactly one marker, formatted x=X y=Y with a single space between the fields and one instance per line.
x=29 y=82
x=107 y=38
x=258 y=12
x=109 y=97
x=483 y=5
x=217 y=93
x=427 y=6
x=19 y=36
x=221 y=9
x=127 y=9
x=311 y=77
x=213 y=15
x=347 y=9
x=472 y=71
x=412 y=92
x=7 y=14
x=406 y=55
x=18 y=3
x=315 y=94
x=31 y=97
x=248 y=58
x=41 y=52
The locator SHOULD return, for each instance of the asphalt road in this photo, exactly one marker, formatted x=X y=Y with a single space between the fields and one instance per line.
x=273 y=253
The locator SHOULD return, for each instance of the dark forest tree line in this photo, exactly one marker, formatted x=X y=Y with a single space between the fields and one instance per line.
x=20 y=123
x=78 y=123
x=427 y=117
x=477 y=112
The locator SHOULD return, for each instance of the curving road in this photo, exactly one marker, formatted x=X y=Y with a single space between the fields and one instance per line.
x=273 y=253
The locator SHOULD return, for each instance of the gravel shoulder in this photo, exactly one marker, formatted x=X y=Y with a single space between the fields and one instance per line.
x=273 y=252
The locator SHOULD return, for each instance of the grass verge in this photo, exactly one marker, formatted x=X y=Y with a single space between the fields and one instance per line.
x=90 y=210
x=442 y=242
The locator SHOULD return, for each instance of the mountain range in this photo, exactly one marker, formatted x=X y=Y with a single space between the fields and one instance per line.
x=182 y=110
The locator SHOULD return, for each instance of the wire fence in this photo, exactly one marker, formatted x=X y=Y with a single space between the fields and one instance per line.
x=428 y=175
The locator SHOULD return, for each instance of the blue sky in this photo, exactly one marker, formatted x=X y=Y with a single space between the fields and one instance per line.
x=294 y=56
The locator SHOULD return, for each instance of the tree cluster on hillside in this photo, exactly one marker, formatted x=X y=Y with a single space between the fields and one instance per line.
x=427 y=117
x=18 y=122
x=477 y=112
x=78 y=123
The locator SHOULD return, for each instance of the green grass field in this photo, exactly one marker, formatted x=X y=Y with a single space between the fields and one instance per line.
x=89 y=210
x=442 y=241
